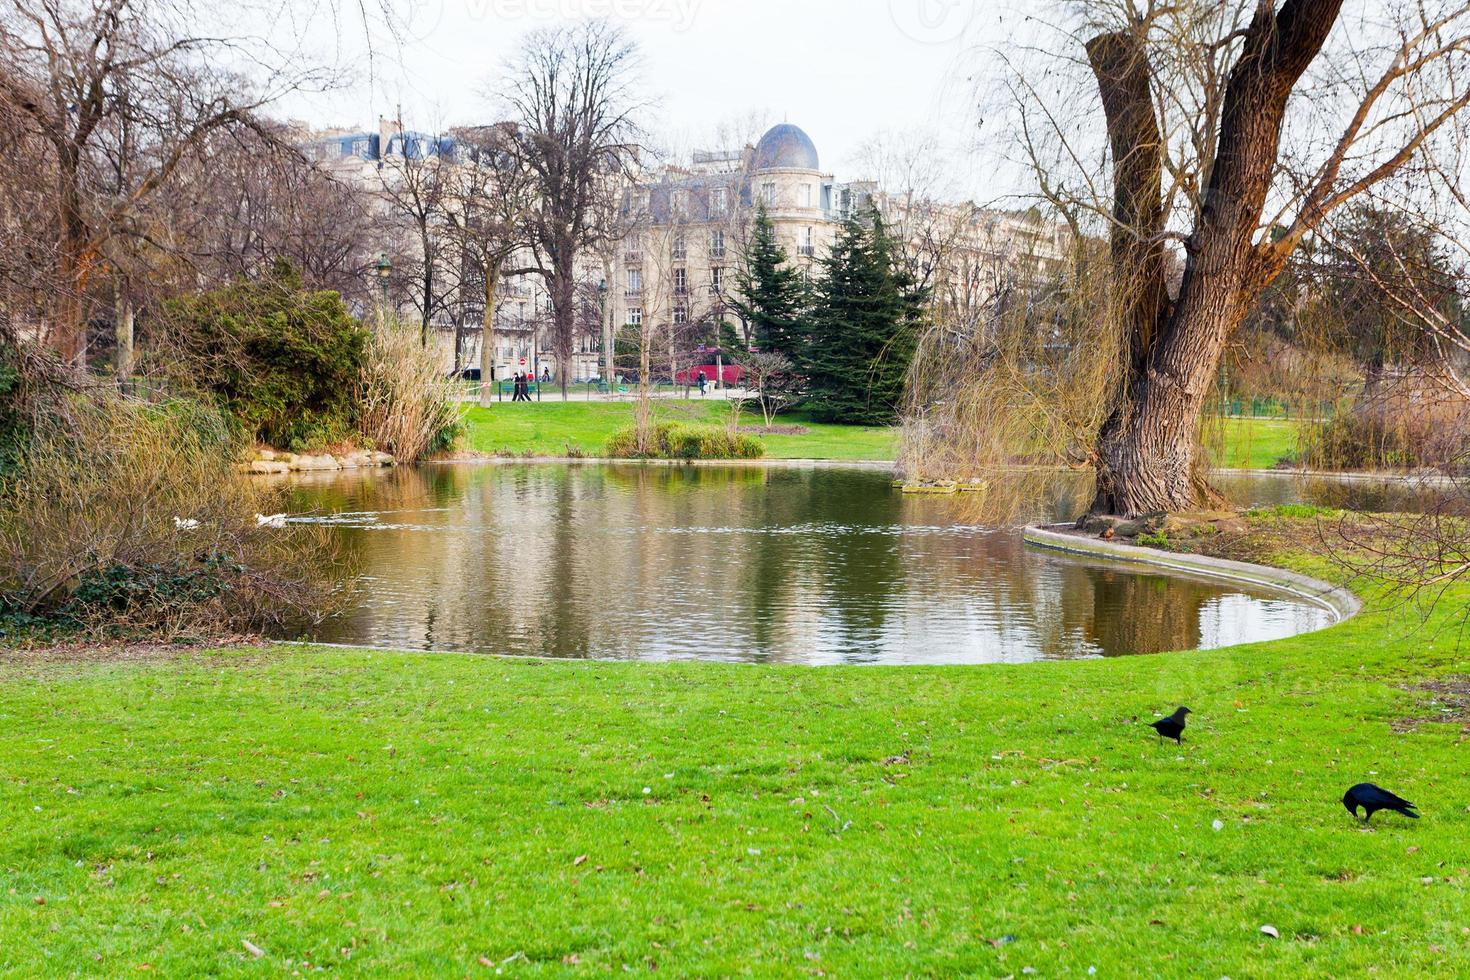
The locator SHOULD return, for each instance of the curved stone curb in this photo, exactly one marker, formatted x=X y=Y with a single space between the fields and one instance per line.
x=1337 y=600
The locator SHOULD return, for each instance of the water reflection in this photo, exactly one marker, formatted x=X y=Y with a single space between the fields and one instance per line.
x=744 y=563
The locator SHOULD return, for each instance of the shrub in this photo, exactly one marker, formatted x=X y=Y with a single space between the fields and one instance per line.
x=407 y=406
x=283 y=361
x=126 y=519
x=671 y=440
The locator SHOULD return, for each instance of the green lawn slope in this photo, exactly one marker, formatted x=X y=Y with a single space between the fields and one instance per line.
x=449 y=814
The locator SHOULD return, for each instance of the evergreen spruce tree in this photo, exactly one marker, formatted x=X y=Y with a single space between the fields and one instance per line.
x=864 y=326
x=769 y=294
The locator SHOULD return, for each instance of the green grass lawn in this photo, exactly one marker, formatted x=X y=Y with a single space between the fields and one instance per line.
x=432 y=814
x=554 y=428
x=1251 y=444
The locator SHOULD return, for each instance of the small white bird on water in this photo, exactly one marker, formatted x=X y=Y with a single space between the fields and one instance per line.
x=274 y=520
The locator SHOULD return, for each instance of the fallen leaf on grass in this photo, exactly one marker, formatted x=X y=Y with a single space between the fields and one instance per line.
x=252 y=949
x=579 y=859
x=1270 y=931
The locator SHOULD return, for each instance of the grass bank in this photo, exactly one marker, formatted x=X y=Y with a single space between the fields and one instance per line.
x=1251 y=444
x=557 y=428
x=413 y=813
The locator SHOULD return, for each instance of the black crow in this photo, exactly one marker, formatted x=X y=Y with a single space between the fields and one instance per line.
x=1374 y=798
x=1172 y=726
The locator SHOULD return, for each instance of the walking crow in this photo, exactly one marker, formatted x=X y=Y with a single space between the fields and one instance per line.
x=1374 y=798
x=1172 y=726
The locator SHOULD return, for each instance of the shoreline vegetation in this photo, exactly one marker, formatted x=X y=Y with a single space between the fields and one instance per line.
x=435 y=814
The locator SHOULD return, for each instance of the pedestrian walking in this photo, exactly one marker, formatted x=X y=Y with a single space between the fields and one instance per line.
x=703 y=380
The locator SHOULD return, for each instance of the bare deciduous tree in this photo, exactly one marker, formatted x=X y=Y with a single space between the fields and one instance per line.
x=489 y=198
x=120 y=95
x=571 y=91
x=771 y=378
x=415 y=180
x=1231 y=137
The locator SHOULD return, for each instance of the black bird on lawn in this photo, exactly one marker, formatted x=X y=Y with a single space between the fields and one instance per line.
x=1172 y=726
x=1374 y=798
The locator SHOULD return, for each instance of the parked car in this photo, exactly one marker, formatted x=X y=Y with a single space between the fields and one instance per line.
x=466 y=374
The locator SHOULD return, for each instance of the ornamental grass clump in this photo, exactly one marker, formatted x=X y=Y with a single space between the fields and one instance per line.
x=671 y=440
x=126 y=520
x=407 y=406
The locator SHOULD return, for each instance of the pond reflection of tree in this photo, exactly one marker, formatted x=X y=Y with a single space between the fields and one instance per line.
x=637 y=561
x=1011 y=498
x=641 y=475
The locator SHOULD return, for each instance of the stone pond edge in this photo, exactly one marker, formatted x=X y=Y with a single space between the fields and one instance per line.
x=1340 y=601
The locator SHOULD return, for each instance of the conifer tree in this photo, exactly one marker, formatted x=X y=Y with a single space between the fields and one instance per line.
x=770 y=295
x=864 y=326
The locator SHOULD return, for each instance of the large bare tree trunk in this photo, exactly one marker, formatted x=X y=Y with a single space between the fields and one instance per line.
x=564 y=312
x=1147 y=452
x=68 y=326
x=643 y=416
x=487 y=338
x=123 y=331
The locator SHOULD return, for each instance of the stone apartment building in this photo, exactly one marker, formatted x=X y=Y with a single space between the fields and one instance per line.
x=683 y=232
x=688 y=226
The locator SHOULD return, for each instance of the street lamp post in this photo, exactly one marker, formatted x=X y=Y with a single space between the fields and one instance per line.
x=384 y=270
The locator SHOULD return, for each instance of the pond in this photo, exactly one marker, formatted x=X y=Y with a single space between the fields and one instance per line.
x=802 y=565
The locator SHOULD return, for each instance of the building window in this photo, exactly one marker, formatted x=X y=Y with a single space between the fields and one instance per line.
x=806 y=195
x=768 y=193
x=717 y=244
x=677 y=249
x=681 y=282
x=806 y=247
x=635 y=282
x=718 y=203
x=635 y=316
x=716 y=279
x=681 y=314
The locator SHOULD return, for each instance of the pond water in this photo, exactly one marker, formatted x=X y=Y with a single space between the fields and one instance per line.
x=781 y=565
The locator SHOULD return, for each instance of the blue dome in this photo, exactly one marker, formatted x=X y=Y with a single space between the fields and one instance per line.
x=785 y=147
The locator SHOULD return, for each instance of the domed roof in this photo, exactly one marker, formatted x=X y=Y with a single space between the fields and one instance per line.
x=785 y=147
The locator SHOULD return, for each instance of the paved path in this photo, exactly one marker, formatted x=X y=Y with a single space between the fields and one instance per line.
x=553 y=394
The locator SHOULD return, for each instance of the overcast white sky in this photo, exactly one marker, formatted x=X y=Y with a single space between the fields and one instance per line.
x=843 y=70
